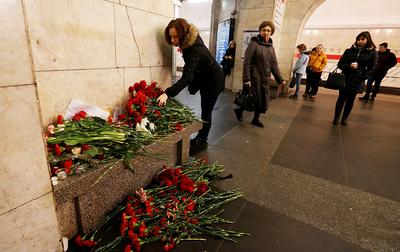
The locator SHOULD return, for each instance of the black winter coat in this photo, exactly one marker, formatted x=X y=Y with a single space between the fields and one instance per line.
x=259 y=62
x=386 y=60
x=366 y=58
x=201 y=71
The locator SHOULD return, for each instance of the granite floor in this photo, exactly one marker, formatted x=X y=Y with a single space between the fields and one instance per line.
x=309 y=186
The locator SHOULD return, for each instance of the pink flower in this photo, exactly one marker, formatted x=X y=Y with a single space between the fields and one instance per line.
x=50 y=128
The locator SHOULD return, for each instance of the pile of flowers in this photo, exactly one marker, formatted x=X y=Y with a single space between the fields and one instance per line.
x=83 y=142
x=179 y=206
x=143 y=110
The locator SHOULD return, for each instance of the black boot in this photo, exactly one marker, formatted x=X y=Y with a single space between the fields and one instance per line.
x=197 y=144
x=335 y=121
x=255 y=120
x=257 y=123
x=239 y=114
x=344 y=121
x=364 y=98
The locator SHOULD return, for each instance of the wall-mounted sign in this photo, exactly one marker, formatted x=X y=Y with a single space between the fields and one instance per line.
x=247 y=35
x=224 y=36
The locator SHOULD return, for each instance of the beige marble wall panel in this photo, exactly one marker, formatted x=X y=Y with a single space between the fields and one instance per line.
x=103 y=88
x=71 y=34
x=14 y=56
x=164 y=7
x=127 y=49
x=149 y=33
x=256 y=4
x=24 y=172
x=31 y=227
x=161 y=75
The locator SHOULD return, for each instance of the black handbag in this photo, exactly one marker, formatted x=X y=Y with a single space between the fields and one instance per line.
x=292 y=82
x=245 y=99
x=335 y=80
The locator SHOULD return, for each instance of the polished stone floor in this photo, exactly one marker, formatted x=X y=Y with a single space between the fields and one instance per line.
x=309 y=186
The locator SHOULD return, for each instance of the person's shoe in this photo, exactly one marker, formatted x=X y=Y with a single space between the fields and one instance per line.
x=305 y=95
x=335 y=121
x=344 y=121
x=197 y=145
x=239 y=114
x=312 y=97
x=257 y=123
x=293 y=96
x=372 y=99
x=364 y=98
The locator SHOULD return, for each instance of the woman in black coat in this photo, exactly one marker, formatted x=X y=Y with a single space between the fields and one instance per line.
x=357 y=63
x=228 y=60
x=200 y=72
x=259 y=62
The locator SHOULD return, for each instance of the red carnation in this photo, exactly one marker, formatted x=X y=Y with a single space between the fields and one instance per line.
x=157 y=113
x=178 y=127
x=86 y=147
x=67 y=166
x=122 y=117
x=201 y=188
x=156 y=230
x=58 y=150
x=191 y=206
x=82 y=114
x=127 y=248
x=59 y=119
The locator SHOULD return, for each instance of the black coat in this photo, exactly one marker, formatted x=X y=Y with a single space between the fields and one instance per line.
x=227 y=64
x=386 y=60
x=259 y=62
x=366 y=58
x=201 y=71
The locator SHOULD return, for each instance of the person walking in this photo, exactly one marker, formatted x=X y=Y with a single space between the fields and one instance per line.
x=316 y=64
x=259 y=62
x=357 y=63
x=299 y=68
x=386 y=60
x=200 y=72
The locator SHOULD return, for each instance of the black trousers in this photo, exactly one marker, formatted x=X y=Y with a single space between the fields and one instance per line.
x=207 y=105
x=346 y=100
x=375 y=91
x=312 y=85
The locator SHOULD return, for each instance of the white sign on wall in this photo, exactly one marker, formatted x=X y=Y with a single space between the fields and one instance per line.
x=247 y=35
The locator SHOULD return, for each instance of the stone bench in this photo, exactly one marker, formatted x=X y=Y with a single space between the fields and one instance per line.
x=83 y=202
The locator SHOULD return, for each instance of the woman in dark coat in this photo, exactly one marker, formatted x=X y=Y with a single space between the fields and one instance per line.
x=200 y=72
x=259 y=62
x=228 y=60
x=357 y=63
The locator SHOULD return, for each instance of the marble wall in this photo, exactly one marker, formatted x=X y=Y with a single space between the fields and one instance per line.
x=53 y=51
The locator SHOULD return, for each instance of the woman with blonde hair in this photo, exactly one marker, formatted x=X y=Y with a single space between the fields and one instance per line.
x=316 y=64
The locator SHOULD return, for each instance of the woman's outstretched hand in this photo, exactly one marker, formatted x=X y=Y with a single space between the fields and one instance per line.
x=162 y=99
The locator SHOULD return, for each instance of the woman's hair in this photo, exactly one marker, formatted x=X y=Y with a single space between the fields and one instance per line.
x=267 y=23
x=182 y=28
x=302 y=47
x=367 y=35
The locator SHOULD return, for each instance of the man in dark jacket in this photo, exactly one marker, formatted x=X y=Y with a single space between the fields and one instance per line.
x=386 y=61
